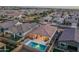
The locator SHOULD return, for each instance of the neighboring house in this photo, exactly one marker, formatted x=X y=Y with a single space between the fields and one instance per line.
x=68 y=41
x=58 y=20
x=16 y=27
x=47 y=18
x=72 y=20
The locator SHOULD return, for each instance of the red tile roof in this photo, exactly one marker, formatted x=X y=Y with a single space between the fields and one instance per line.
x=46 y=30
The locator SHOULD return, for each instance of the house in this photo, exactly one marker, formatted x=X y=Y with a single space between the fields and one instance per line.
x=48 y=18
x=58 y=20
x=46 y=30
x=41 y=36
x=68 y=41
x=12 y=26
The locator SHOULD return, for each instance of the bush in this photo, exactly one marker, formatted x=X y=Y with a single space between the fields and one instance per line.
x=35 y=20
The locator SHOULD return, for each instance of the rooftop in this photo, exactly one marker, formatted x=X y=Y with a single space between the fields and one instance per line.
x=70 y=34
x=11 y=25
x=8 y=24
x=23 y=27
x=46 y=30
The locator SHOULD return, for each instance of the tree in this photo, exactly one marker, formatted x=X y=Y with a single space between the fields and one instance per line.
x=35 y=20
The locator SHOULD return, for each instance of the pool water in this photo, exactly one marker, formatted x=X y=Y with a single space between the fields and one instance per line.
x=38 y=46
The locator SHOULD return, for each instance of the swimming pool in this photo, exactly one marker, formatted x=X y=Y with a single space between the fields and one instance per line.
x=37 y=46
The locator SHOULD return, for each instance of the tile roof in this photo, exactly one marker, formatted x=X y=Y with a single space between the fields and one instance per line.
x=46 y=30
x=13 y=28
x=7 y=24
x=77 y=36
x=22 y=28
x=70 y=34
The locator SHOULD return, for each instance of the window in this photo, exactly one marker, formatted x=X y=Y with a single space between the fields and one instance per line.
x=62 y=45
